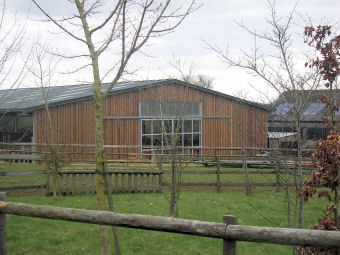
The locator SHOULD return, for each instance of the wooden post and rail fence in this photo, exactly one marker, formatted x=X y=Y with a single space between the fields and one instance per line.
x=228 y=231
x=150 y=179
x=133 y=180
x=121 y=154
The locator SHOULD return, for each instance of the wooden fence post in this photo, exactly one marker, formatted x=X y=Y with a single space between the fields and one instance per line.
x=218 y=172
x=127 y=156
x=160 y=181
x=48 y=186
x=160 y=162
x=160 y=167
x=3 y=227
x=245 y=166
x=277 y=177
x=229 y=245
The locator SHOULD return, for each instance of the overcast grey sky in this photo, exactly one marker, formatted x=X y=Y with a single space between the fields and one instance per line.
x=213 y=22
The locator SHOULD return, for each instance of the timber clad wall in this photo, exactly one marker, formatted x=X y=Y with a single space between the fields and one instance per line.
x=234 y=124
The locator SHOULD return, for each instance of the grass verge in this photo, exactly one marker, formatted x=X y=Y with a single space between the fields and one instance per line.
x=40 y=236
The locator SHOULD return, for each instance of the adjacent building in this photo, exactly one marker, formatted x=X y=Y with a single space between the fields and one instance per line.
x=305 y=104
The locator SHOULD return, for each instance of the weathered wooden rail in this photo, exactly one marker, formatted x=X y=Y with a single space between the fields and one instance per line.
x=219 y=184
x=228 y=231
x=23 y=187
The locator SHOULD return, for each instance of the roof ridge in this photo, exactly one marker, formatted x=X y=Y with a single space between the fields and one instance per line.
x=30 y=101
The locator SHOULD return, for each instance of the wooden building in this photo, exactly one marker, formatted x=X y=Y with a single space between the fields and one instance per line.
x=146 y=113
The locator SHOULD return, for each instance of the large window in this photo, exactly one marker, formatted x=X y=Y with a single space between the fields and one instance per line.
x=168 y=124
x=159 y=134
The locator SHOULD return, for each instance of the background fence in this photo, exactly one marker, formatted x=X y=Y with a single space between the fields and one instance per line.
x=30 y=152
x=154 y=179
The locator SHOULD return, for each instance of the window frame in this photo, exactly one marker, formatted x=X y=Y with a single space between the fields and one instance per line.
x=162 y=134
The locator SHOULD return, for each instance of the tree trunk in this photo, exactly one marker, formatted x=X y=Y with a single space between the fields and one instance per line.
x=54 y=185
x=111 y=207
x=52 y=158
x=300 y=174
x=245 y=167
x=100 y=167
x=173 y=187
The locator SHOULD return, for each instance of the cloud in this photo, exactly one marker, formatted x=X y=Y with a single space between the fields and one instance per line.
x=213 y=22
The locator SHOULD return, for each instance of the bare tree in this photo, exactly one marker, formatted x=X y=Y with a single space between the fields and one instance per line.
x=12 y=63
x=170 y=134
x=127 y=27
x=43 y=71
x=173 y=143
x=188 y=74
x=279 y=69
x=11 y=40
x=170 y=144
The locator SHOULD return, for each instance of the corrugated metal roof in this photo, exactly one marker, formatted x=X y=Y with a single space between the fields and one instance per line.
x=29 y=99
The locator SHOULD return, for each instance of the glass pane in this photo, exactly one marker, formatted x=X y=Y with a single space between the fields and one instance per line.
x=178 y=126
x=157 y=140
x=188 y=126
x=177 y=140
x=157 y=126
x=167 y=140
x=149 y=108
x=168 y=126
x=196 y=140
x=24 y=123
x=191 y=108
x=170 y=109
x=7 y=123
x=197 y=125
x=187 y=108
x=146 y=127
x=188 y=140
x=314 y=108
x=283 y=109
x=146 y=140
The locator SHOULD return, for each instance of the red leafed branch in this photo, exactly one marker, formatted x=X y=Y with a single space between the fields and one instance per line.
x=326 y=161
x=329 y=49
x=325 y=180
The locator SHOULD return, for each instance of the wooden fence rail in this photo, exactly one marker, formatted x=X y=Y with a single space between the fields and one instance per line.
x=229 y=232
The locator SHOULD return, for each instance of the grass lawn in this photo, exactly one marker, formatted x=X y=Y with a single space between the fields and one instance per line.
x=40 y=236
x=26 y=180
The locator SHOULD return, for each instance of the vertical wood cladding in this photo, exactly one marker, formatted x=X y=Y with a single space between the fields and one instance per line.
x=74 y=122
